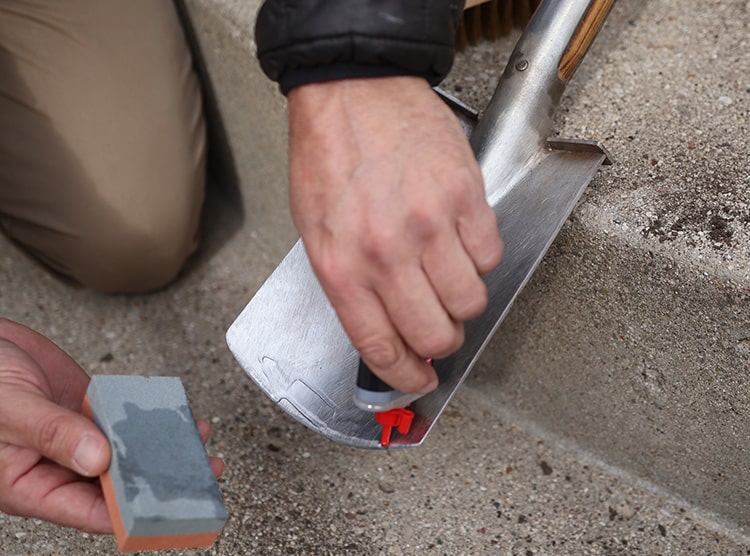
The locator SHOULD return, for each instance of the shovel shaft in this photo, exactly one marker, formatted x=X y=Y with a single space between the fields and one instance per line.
x=517 y=121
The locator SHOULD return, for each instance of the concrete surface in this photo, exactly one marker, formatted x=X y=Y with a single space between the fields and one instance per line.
x=607 y=416
x=632 y=339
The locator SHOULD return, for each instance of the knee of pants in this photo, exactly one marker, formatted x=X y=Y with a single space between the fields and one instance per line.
x=135 y=255
x=126 y=248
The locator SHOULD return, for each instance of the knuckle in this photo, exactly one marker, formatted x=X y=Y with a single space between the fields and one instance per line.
x=331 y=271
x=380 y=353
x=49 y=434
x=333 y=268
x=474 y=306
x=425 y=220
x=440 y=343
x=379 y=245
x=464 y=183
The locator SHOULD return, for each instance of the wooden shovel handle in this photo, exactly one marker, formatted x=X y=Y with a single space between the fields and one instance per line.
x=583 y=37
x=472 y=3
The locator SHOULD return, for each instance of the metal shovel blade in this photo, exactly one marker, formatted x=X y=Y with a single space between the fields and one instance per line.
x=290 y=342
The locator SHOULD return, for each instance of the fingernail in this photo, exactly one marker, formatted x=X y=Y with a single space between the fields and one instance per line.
x=430 y=387
x=88 y=454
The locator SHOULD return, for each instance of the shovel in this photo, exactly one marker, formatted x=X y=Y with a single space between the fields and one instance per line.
x=288 y=339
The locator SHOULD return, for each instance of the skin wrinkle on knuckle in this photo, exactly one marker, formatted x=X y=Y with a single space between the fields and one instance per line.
x=381 y=354
x=48 y=433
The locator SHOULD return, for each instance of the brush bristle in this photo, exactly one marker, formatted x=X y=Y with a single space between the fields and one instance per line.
x=492 y=20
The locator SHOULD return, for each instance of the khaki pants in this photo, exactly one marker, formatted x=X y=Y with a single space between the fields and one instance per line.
x=102 y=140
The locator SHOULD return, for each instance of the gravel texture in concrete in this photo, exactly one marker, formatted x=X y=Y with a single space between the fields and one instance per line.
x=480 y=485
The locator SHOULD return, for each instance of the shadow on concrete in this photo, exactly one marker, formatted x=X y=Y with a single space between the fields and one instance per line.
x=223 y=213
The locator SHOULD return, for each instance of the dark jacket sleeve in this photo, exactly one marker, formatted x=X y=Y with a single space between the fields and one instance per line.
x=307 y=41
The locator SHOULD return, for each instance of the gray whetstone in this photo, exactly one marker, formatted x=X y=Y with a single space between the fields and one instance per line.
x=160 y=470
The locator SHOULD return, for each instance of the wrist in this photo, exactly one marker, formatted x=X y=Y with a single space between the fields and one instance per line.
x=294 y=78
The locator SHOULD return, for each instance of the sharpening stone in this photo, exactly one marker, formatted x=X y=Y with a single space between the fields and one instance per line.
x=160 y=490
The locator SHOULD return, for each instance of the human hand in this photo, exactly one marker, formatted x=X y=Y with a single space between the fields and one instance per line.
x=50 y=455
x=389 y=200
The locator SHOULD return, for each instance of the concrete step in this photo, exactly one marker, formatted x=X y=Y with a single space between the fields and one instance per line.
x=632 y=340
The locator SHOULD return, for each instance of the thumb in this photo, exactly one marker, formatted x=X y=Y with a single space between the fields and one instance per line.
x=59 y=434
